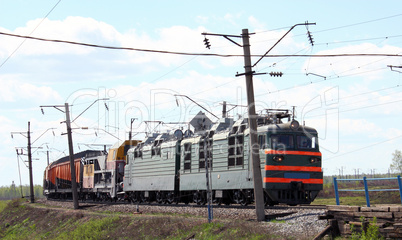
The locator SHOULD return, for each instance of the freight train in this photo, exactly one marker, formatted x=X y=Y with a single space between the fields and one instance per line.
x=98 y=174
x=175 y=166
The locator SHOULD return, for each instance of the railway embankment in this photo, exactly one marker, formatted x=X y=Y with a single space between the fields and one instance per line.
x=58 y=220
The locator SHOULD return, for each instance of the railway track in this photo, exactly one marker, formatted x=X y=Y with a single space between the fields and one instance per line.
x=85 y=204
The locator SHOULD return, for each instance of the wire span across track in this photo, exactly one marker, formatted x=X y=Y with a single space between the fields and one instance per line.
x=201 y=54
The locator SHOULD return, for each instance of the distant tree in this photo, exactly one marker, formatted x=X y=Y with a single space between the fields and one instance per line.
x=396 y=164
x=11 y=192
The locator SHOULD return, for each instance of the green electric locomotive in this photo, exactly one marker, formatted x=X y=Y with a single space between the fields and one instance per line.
x=176 y=166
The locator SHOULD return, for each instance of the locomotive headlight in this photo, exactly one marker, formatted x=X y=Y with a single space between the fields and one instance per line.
x=294 y=125
x=278 y=158
x=314 y=159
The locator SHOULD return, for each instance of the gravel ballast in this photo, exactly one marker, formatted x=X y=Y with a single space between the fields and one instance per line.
x=287 y=222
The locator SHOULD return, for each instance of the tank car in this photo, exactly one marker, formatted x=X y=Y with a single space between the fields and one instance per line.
x=57 y=175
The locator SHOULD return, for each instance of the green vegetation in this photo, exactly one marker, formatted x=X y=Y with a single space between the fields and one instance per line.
x=13 y=191
x=93 y=229
x=396 y=164
x=3 y=204
x=371 y=233
x=327 y=195
x=344 y=200
x=22 y=220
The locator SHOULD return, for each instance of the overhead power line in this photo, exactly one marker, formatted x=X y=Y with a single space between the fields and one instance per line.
x=202 y=54
x=359 y=23
x=15 y=50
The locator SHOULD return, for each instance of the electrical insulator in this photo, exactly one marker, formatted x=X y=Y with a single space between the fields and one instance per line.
x=310 y=38
x=276 y=74
x=206 y=42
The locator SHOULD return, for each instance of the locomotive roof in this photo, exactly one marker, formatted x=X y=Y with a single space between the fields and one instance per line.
x=286 y=127
x=86 y=153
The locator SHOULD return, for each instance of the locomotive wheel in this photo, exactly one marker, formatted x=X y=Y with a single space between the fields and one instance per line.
x=170 y=197
x=240 y=198
x=133 y=197
x=159 y=197
x=218 y=201
x=143 y=198
x=199 y=198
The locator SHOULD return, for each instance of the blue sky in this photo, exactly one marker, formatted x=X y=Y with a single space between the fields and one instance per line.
x=354 y=102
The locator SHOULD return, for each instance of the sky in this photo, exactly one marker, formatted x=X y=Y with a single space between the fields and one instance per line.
x=354 y=102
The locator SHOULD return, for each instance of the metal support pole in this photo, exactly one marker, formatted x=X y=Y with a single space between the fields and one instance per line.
x=400 y=187
x=209 y=197
x=71 y=152
x=47 y=153
x=336 y=191
x=131 y=130
x=32 y=196
x=252 y=122
x=366 y=191
x=19 y=173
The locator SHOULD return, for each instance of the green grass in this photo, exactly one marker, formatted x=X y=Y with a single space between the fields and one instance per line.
x=218 y=230
x=277 y=221
x=93 y=229
x=20 y=220
x=3 y=204
x=351 y=201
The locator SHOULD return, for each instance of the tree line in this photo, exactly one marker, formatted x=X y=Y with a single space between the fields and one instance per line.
x=13 y=191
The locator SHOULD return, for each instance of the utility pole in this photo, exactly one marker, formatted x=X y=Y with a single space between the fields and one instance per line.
x=71 y=152
x=252 y=122
x=19 y=172
x=252 y=117
x=28 y=136
x=209 y=194
x=31 y=190
x=70 y=145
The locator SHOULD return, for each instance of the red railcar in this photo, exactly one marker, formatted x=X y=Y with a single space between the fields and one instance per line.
x=57 y=176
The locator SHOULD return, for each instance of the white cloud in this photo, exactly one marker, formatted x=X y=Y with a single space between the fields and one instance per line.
x=255 y=23
x=232 y=18
x=15 y=90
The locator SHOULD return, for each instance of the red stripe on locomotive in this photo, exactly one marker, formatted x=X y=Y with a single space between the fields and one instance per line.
x=289 y=180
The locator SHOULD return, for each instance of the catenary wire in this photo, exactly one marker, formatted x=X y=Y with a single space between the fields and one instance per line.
x=201 y=54
x=15 y=50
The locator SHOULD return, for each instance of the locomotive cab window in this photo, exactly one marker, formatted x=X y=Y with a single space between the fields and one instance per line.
x=306 y=142
x=282 y=141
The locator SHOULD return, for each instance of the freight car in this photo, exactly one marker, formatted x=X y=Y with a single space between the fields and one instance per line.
x=98 y=174
x=171 y=167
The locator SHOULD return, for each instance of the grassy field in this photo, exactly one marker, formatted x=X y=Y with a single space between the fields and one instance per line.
x=19 y=220
x=327 y=195
x=351 y=201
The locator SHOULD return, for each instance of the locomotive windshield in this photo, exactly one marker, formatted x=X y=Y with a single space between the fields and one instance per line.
x=305 y=142
x=290 y=142
x=282 y=141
